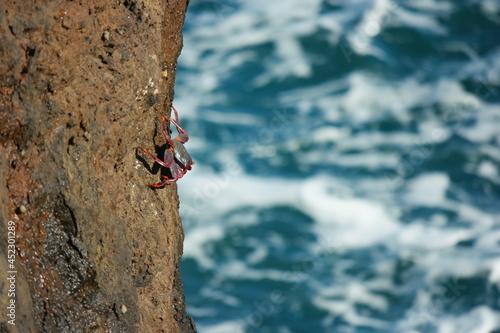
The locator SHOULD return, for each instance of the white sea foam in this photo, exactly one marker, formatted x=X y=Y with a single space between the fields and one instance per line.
x=428 y=189
x=232 y=118
x=346 y=221
x=420 y=21
x=243 y=29
x=222 y=327
x=434 y=6
x=486 y=127
x=366 y=94
x=480 y=320
x=490 y=7
x=350 y=215
x=371 y=24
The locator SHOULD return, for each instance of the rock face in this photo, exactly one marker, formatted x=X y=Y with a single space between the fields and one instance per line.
x=82 y=84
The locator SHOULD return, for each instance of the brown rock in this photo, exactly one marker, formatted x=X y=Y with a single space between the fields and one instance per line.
x=82 y=85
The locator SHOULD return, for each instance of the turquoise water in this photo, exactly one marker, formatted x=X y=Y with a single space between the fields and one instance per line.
x=347 y=166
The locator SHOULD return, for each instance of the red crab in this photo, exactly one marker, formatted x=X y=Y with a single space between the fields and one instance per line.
x=176 y=158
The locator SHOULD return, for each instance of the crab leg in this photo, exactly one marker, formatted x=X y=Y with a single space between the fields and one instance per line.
x=176 y=173
x=176 y=114
x=165 y=164
x=165 y=132
x=169 y=180
x=163 y=182
x=183 y=136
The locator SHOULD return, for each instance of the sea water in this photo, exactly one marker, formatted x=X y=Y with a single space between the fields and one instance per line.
x=347 y=174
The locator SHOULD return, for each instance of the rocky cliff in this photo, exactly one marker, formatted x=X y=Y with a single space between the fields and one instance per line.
x=82 y=83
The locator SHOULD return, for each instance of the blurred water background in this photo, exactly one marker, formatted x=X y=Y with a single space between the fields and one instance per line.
x=347 y=165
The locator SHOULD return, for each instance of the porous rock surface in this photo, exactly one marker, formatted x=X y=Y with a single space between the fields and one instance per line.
x=82 y=83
